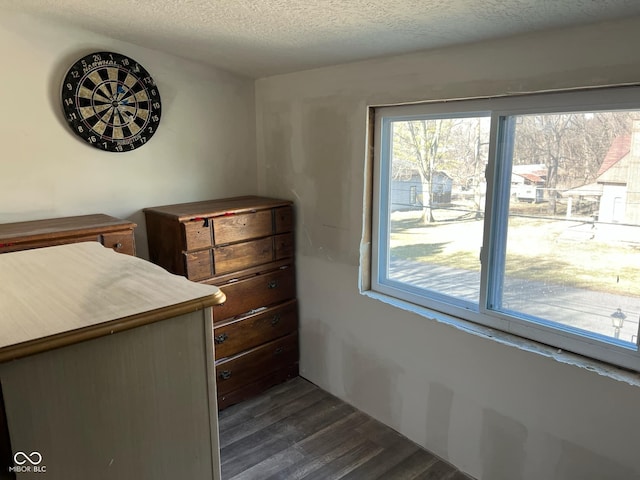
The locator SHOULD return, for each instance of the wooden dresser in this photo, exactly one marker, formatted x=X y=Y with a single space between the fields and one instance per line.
x=110 y=231
x=245 y=246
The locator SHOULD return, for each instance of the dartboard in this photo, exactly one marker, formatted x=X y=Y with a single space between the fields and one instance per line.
x=111 y=102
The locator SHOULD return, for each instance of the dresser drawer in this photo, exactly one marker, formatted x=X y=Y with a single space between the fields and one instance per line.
x=252 y=389
x=250 y=366
x=198 y=265
x=197 y=234
x=17 y=246
x=121 y=242
x=234 y=336
x=242 y=226
x=239 y=256
x=283 y=219
x=284 y=246
x=254 y=292
x=110 y=231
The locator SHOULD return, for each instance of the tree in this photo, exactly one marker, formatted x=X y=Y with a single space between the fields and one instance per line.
x=453 y=145
x=572 y=146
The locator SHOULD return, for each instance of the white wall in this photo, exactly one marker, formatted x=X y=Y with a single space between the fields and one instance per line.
x=204 y=147
x=497 y=412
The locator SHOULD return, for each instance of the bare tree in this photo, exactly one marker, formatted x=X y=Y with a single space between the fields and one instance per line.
x=572 y=146
x=455 y=146
x=419 y=144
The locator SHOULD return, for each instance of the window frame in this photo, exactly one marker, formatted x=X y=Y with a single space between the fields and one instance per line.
x=498 y=174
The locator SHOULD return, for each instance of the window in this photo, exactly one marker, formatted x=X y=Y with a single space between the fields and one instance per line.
x=528 y=219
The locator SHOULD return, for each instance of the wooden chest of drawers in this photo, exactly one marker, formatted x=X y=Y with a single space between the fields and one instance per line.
x=245 y=246
x=110 y=231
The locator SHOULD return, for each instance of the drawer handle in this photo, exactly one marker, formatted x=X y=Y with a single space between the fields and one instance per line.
x=272 y=284
x=225 y=374
x=278 y=351
x=118 y=245
x=220 y=338
x=275 y=320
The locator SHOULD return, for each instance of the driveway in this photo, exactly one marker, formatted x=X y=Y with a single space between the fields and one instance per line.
x=580 y=308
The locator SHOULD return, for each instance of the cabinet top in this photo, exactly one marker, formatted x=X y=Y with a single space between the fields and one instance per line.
x=212 y=208
x=59 y=227
x=57 y=296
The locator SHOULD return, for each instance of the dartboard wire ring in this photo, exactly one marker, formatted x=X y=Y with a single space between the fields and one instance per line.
x=111 y=101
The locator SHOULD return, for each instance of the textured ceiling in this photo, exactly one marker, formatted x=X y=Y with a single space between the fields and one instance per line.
x=265 y=37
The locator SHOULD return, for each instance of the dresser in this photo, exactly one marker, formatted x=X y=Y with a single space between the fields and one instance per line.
x=244 y=246
x=106 y=365
x=109 y=231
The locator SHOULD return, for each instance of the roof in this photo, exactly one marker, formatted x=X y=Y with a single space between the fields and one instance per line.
x=532 y=177
x=589 y=190
x=619 y=148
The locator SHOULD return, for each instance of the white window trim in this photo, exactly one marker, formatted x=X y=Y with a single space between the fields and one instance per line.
x=459 y=314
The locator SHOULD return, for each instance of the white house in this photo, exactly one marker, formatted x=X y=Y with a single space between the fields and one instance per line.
x=527 y=182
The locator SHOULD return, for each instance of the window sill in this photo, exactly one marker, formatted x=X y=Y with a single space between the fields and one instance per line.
x=504 y=338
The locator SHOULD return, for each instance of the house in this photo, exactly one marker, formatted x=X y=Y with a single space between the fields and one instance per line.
x=527 y=182
x=441 y=184
x=498 y=410
x=407 y=192
x=619 y=180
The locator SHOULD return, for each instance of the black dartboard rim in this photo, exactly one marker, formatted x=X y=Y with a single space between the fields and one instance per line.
x=111 y=102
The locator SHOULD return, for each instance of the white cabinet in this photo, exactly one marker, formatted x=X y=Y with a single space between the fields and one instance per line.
x=107 y=367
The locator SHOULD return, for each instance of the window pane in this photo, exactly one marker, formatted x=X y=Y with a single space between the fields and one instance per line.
x=573 y=241
x=436 y=208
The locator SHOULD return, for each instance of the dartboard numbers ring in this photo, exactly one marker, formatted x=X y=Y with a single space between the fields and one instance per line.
x=111 y=102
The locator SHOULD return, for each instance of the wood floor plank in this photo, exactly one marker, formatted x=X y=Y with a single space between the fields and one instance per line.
x=273 y=467
x=251 y=424
x=460 y=476
x=395 y=452
x=324 y=447
x=439 y=471
x=415 y=464
x=281 y=395
x=344 y=464
x=253 y=449
x=296 y=431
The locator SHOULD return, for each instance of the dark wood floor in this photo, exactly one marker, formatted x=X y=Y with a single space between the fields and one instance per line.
x=298 y=431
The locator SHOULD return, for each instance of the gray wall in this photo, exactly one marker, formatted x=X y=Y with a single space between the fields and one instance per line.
x=496 y=411
x=204 y=146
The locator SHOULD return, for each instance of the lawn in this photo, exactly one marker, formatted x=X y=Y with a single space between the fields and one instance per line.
x=557 y=251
